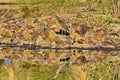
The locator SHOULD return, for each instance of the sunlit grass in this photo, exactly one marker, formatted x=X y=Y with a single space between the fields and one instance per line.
x=101 y=71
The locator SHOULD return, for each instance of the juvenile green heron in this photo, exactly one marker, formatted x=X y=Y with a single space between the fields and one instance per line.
x=63 y=27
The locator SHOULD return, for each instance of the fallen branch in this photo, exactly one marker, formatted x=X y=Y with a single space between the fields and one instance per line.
x=35 y=47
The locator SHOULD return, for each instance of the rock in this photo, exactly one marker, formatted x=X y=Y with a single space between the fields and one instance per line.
x=45 y=44
x=39 y=39
x=29 y=21
x=98 y=37
x=49 y=36
x=6 y=33
x=26 y=35
x=53 y=44
x=75 y=35
x=77 y=45
x=60 y=39
x=5 y=40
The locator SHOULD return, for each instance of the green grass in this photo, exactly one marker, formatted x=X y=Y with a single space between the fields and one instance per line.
x=47 y=7
x=43 y=72
x=3 y=74
x=50 y=7
x=101 y=71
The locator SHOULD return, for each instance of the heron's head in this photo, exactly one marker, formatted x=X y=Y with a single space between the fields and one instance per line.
x=55 y=17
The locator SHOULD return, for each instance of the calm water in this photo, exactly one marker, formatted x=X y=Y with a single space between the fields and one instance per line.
x=42 y=65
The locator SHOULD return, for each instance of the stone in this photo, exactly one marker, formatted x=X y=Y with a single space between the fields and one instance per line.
x=26 y=35
x=6 y=33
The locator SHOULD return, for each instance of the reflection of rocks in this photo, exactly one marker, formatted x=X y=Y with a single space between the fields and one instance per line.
x=39 y=40
x=98 y=55
x=116 y=53
x=80 y=59
x=28 y=53
x=5 y=40
x=7 y=51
